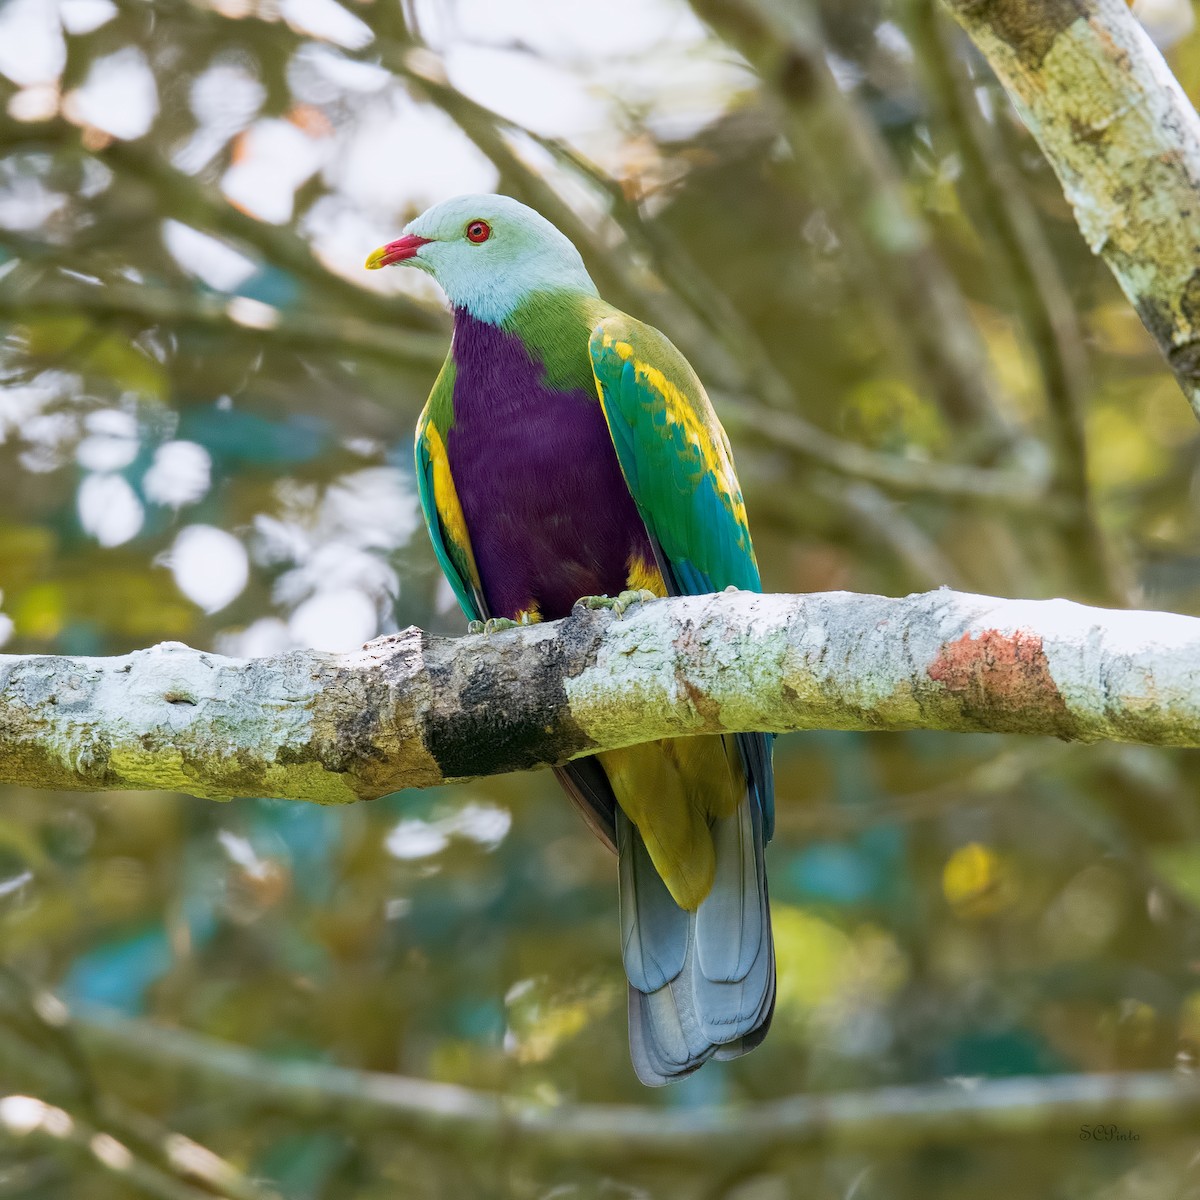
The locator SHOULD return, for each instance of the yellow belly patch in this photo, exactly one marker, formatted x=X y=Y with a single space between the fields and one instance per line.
x=644 y=575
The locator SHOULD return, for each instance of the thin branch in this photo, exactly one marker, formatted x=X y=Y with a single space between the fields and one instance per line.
x=196 y=203
x=415 y=710
x=180 y=1155
x=612 y=1134
x=1125 y=142
x=231 y=316
x=883 y=520
x=40 y=1042
x=995 y=487
x=26 y=1118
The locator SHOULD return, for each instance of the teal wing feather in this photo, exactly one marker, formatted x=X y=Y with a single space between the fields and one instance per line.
x=442 y=511
x=675 y=457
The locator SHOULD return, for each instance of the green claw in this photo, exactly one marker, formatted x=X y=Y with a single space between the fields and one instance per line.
x=497 y=624
x=620 y=603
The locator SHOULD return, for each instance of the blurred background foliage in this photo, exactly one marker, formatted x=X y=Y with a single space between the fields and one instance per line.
x=205 y=426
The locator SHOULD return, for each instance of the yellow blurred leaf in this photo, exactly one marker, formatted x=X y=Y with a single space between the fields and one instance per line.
x=978 y=882
x=24 y=550
x=819 y=963
x=38 y=612
x=95 y=349
x=1180 y=867
x=886 y=413
x=1119 y=330
x=1122 y=450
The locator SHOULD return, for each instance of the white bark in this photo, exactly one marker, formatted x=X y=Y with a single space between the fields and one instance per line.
x=415 y=710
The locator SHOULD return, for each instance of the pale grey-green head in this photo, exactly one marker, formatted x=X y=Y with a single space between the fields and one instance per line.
x=488 y=253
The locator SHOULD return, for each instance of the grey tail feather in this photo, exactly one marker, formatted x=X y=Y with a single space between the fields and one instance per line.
x=702 y=984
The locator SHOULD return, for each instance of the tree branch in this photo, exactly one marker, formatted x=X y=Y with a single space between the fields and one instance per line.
x=997 y=487
x=26 y=1118
x=416 y=710
x=1124 y=141
x=200 y=204
x=229 y=316
x=612 y=1134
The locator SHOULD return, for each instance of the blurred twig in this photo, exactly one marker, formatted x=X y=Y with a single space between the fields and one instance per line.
x=25 y=1119
x=194 y=202
x=1002 y=488
x=890 y=1116
x=232 y=316
x=39 y=1043
x=883 y=519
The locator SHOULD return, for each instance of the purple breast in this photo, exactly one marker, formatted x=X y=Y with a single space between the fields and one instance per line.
x=545 y=503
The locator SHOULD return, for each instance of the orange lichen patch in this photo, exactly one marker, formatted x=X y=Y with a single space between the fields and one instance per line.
x=240 y=150
x=1004 y=679
x=311 y=120
x=94 y=140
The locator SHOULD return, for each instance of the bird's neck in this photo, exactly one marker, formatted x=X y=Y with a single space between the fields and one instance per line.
x=512 y=283
x=550 y=330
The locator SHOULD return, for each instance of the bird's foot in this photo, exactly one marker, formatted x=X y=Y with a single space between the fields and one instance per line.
x=495 y=625
x=619 y=603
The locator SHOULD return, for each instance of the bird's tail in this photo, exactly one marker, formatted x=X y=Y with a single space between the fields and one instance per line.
x=701 y=984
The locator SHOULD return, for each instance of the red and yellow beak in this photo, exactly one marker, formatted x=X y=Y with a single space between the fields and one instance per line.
x=397 y=251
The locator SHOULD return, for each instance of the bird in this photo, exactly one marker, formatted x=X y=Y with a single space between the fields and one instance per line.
x=569 y=453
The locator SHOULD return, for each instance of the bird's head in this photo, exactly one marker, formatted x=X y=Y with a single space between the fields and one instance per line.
x=488 y=253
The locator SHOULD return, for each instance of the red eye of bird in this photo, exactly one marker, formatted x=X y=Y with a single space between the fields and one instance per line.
x=478 y=231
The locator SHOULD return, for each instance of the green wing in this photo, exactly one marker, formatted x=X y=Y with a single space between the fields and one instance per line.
x=675 y=458
x=679 y=468
x=439 y=500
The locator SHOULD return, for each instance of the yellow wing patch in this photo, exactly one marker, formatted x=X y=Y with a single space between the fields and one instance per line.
x=445 y=499
x=713 y=452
